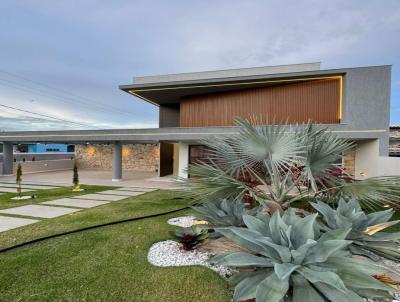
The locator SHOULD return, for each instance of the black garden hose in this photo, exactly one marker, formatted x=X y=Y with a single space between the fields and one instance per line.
x=89 y=228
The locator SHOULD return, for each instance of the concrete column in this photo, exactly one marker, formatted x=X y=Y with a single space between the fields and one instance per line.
x=183 y=160
x=117 y=162
x=8 y=158
x=367 y=159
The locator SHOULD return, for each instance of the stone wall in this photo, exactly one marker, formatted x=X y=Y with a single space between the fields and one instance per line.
x=349 y=161
x=135 y=157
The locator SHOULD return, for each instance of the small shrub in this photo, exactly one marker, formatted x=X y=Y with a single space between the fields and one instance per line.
x=190 y=237
x=18 y=179
x=75 y=177
x=292 y=260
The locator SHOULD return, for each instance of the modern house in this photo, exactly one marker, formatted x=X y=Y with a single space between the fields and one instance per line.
x=351 y=102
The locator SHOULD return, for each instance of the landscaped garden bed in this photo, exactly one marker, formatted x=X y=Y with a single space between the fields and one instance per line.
x=296 y=227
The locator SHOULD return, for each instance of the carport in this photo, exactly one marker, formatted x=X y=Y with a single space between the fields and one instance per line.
x=180 y=137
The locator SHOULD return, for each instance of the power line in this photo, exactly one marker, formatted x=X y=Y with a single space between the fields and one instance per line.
x=39 y=92
x=47 y=116
x=25 y=115
x=83 y=100
x=47 y=95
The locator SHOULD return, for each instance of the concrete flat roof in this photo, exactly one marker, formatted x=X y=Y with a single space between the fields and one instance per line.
x=154 y=135
x=169 y=89
x=227 y=73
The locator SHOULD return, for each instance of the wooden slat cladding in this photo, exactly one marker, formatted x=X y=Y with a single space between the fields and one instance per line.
x=315 y=100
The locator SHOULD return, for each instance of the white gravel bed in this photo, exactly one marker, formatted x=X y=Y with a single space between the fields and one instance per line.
x=184 y=221
x=170 y=253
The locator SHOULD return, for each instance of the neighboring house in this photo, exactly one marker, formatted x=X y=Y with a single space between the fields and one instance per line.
x=354 y=103
x=44 y=148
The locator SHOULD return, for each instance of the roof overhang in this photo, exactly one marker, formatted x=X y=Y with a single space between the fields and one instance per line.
x=170 y=93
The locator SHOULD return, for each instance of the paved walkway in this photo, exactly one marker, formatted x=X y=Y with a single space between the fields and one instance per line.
x=97 y=177
x=59 y=207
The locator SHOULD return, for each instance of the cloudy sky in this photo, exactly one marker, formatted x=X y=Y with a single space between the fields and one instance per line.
x=65 y=59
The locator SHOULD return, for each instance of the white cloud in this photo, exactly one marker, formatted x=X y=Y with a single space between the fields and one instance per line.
x=89 y=48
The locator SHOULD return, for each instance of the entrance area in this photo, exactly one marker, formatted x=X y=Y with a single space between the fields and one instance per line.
x=169 y=159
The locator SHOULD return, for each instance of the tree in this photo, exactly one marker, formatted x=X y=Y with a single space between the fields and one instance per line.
x=19 y=179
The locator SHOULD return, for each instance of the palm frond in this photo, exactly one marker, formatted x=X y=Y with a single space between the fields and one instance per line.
x=208 y=182
x=373 y=192
x=275 y=146
x=324 y=148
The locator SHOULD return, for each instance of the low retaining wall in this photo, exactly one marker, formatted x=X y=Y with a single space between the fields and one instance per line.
x=135 y=157
x=26 y=156
x=44 y=166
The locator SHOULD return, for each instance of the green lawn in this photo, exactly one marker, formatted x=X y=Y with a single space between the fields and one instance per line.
x=44 y=195
x=105 y=264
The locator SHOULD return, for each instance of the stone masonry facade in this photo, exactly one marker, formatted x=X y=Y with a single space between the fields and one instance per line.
x=349 y=161
x=394 y=141
x=135 y=157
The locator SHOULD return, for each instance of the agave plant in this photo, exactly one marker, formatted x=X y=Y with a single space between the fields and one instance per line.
x=191 y=236
x=273 y=161
x=292 y=260
x=367 y=238
x=223 y=212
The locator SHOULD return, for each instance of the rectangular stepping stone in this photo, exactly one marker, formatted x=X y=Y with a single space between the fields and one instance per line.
x=35 y=183
x=75 y=202
x=132 y=189
x=99 y=196
x=13 y=190
x=36 y=187
x=39 y=211
x=122 y=193
x=9 y=223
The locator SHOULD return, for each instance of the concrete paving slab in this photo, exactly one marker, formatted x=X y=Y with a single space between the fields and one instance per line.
x=24 y=186
x=13 y=190
x=99 y=196
x=74 y=202
x=122 y=193
x=39 y=211
x=9 y=223
x=35 y=183
x=136 y=189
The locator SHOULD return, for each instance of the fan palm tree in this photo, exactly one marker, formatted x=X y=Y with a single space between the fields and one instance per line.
x=279 y=164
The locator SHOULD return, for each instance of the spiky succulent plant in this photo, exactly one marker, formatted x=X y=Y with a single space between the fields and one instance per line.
x=291 y=260
x=223 y=212
x=191 y=236
x=366 y=236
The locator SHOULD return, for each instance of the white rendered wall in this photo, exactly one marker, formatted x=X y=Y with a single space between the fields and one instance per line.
x=183 y=160
x=367 y=159
x=368 y=163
